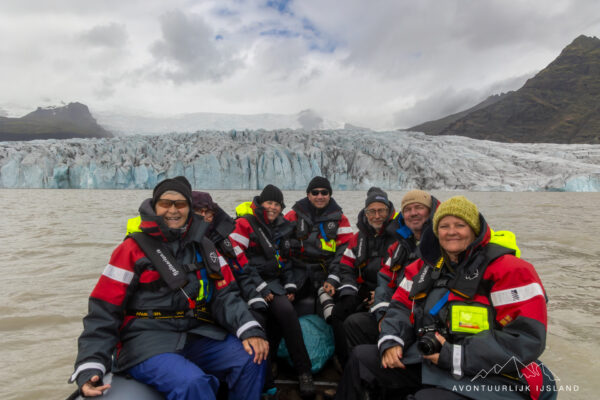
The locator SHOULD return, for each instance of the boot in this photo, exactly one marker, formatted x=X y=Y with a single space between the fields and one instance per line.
x=306 y=385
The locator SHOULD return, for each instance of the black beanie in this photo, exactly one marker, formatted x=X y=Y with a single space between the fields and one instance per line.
x=178 y=184
x=375 y=194
x=319 y=182
x=272 y=193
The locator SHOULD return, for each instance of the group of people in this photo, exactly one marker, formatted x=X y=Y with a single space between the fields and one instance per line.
x=421 y=299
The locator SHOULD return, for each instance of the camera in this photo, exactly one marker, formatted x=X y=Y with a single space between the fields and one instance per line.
x=427 y=342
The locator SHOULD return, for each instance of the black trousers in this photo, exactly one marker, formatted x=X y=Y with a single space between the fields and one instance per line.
x=364 y=373
x=343 y=308
x=280 y=320
x=361 y=328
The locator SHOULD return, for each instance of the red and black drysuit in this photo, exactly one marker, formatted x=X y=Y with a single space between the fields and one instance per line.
x=363 y=327
x=313 y=264
x=358 y=269
x=266 y=252
x=133 y=311
x=487 y=276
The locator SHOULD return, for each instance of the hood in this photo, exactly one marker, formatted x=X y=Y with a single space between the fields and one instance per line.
x=363 y=224
x=431 y=251
x=304 y=206
x=155 y=226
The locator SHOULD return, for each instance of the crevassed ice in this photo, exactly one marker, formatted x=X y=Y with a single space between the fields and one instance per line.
x=351 y=159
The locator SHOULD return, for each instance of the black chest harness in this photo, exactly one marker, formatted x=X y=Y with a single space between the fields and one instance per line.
x=272 y=245
x=467 y=283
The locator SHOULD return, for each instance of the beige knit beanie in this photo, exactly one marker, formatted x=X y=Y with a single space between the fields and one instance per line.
x=460 y=207
x=416 y=196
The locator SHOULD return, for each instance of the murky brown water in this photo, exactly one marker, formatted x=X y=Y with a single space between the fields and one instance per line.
x=54 y=245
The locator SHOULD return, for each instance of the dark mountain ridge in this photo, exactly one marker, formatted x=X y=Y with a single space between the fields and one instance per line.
x=71 y=121
x=560 y=104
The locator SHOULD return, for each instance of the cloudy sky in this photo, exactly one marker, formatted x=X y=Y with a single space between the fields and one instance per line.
x=381 y=64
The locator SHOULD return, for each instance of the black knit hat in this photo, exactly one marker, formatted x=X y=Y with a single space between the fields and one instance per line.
x=272 y=193
x=375 y=194
x=319 y=182
x=178 y=184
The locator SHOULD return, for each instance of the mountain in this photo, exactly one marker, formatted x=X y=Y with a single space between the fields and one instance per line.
x=560 y=104
x=352 y=159
x=131 y=124
x=71 y=121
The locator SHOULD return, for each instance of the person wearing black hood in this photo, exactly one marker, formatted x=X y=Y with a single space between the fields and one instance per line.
x=168 y=308
x=320 y=236
x=361 y=262
x=263 y=234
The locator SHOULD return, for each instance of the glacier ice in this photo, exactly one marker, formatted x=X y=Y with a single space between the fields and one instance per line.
x=350 y=158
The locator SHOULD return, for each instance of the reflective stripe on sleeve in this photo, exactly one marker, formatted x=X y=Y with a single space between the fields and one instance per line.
x=334 y=277
x=390 y=337
x=240 y=239
x=380 y=305
x=256 y=300
x=237 y=250
x=348 y=287
x=516 y=295
x=290 y=285
x=84 y=366
x=456 y=360
x=118 y=274
x=343 y=230
x=222 y=261
x=261 y=286
x=245 y=327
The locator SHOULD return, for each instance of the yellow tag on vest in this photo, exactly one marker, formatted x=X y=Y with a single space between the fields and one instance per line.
x=328 y=245
x=469 y=319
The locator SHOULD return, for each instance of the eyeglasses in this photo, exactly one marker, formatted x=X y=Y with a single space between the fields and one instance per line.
x=323 y=192
x=203 y=211
x=164 y=203
x=381 y=211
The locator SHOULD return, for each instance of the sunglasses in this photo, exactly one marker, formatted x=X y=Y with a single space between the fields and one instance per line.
x=323 y=192
x=164 y=203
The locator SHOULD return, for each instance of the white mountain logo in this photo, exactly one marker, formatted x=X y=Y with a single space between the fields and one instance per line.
x=514 y=365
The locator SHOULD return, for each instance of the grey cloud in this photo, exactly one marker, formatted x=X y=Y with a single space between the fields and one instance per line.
x=450 y=101
x=189 y=50
x=111 y=35
x=310 y=120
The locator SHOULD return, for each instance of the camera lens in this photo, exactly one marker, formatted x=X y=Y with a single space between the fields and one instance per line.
x=428 y=344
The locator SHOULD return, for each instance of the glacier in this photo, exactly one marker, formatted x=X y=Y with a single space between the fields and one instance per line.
x=353 y=159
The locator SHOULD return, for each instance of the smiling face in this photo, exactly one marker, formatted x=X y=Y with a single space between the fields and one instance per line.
x=174 y=209
x=455 y=236
x=376 y=214
x=415 y=215
x=272 y=209
x=319 y=197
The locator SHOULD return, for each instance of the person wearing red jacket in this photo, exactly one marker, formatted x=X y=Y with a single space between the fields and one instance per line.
x=468 y=320
x=320 y=236
x=168 y=308
x=263 y=235
x=417 y=210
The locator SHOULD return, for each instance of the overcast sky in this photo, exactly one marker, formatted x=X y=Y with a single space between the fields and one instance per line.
x=379 y=64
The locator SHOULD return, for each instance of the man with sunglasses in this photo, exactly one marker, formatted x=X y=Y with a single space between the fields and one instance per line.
x=168 y=308
x=321 y=234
